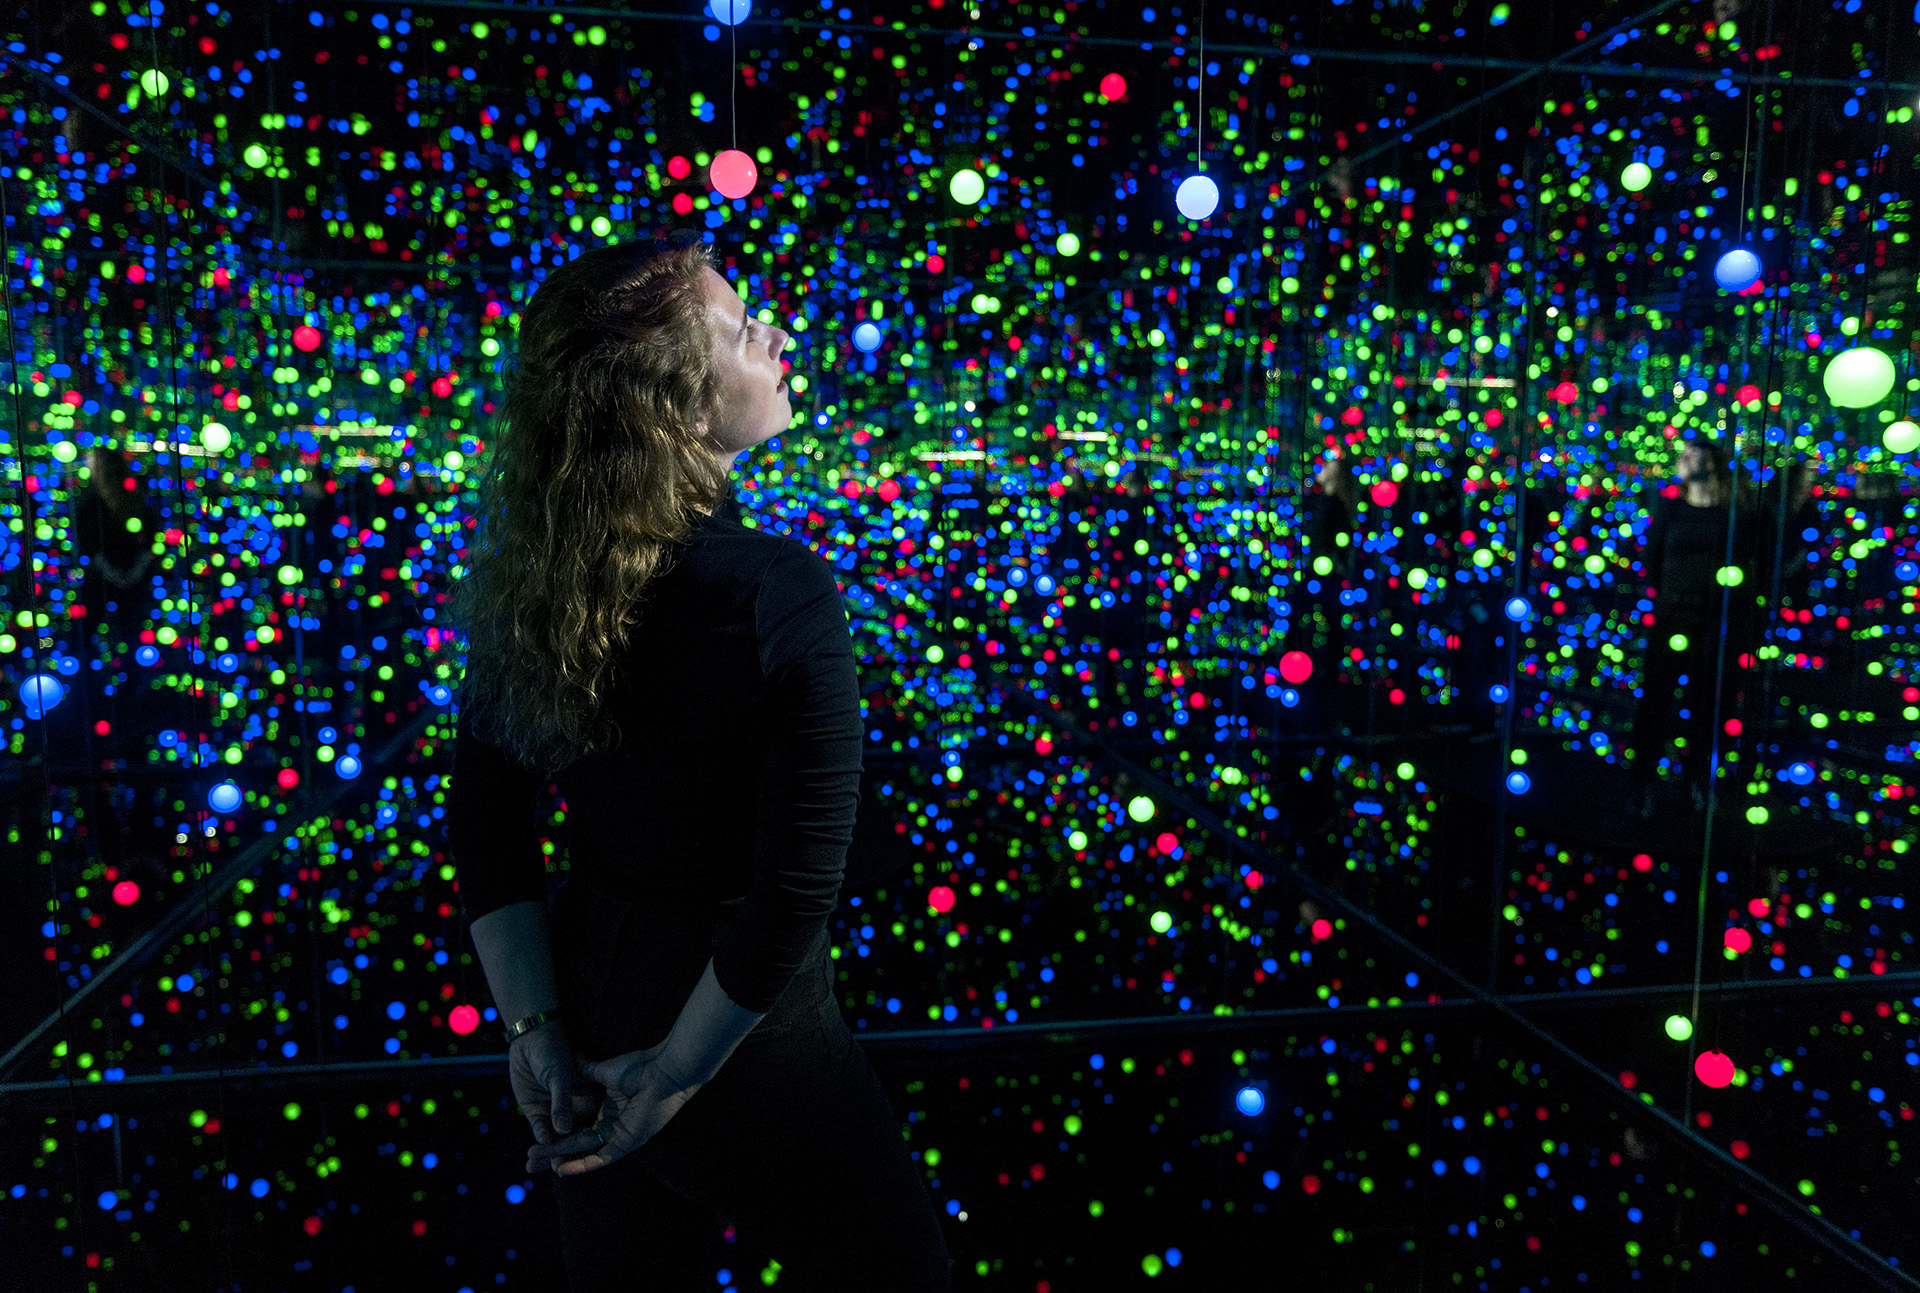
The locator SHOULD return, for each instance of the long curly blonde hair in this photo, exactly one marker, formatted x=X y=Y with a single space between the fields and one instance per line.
x=593 y=479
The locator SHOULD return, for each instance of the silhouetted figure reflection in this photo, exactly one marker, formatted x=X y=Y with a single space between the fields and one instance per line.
x=114 y=529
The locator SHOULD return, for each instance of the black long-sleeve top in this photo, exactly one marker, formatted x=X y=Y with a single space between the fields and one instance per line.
x=734 y=786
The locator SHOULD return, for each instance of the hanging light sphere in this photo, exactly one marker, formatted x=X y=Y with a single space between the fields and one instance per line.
x=1113 y=86
x=866 y=337
x=40 y=693
x=1858 y=377
x=967 y=187
x=730 y=13
x=1636 y=176
x=215 y=438
x=1068 y=244
x=733 y=173
x=1737 y=271
x=306 y=337
x=1197 y=197
x=1901 y=437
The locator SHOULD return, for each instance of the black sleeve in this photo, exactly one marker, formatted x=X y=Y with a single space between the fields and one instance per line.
x=491 y=828
x=808 y=782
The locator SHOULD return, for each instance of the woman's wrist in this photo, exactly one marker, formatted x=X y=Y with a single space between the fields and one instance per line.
x=548 y=1018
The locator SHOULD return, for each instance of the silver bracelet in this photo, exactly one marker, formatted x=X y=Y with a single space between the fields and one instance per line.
x=519 y=1027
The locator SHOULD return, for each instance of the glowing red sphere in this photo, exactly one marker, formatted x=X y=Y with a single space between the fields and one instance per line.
x=1296 y=667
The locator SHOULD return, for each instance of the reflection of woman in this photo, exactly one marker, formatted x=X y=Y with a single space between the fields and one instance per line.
x=114 y=528
x=1687 y=545
x=689 y=685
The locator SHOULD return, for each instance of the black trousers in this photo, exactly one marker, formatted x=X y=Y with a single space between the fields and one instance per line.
x=794 y=1143
x=1657 y=719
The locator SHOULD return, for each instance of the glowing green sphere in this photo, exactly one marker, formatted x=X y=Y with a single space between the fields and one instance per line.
x=1901 y=437
x=1069 y=244
x=254 y=156
x=1679 y=1027
x=1858 y=377
x=1636 y=176
x=215 y=437
x=967 y=187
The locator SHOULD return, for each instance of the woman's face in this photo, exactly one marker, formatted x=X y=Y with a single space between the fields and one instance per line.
x=753 y=400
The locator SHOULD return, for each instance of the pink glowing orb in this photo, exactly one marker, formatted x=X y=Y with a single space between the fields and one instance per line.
x=940 y=898
x=306 y=337
x=1758 y=908
x=1166 y=842
x=1566 y=392
x=1322 y=928
x=463 y=1019
x=1737 y=939
x=1383 y=493
x=126 y=893
x=1296 y=667
x=733 y=173
x=1113 y=86
x=1642 y=862
x=1715 y=1068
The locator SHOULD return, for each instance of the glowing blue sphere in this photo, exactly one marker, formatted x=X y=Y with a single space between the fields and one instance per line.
x=40 y=692
x=147 y=654
x=1289 y=697
x=224 y=798
x=109 y=1200
x=347 y=766
x=1519 y=782
x=440 y=693
x=1737 y=271
x=1498 y=693
x=729 y=13
x=1197 y=197
x=1017 y=577
x=1907 y=571
x=1800 y=774
x=1044 y=585
x=1250 y=1101
x=1518 y=608
x=866 y=337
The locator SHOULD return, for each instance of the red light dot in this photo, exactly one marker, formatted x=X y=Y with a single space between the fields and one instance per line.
x=936 y=264
x=679 y=167
x=1641 y=862
x=311 y=1225
x=1322 y=928
x=1113 y=86
x=1715 y=1068
x=287 y=778
x=940 y=898
x=1495 y=417
x=1758 y=908
x=1566 y=392
x=1383 y=493
x=463 y=1020
x=1167 y=842
x=1311 y=1184
x=1296 y=667
x=1738 y=939
x=126 y=893
x=306 y=337
x=1733 y=727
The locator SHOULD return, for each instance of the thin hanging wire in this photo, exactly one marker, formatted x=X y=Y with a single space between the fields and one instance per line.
x=1200 y=98
x=733 y=72
x=203 y=867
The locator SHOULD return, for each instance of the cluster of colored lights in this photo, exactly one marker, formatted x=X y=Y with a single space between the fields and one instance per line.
x=1015 y=270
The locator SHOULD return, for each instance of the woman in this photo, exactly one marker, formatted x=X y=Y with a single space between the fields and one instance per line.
x=688 y=684
x=115 y=528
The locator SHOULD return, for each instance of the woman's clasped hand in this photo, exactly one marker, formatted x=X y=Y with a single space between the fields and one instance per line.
x=550 y=1084
x=641 y=1098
